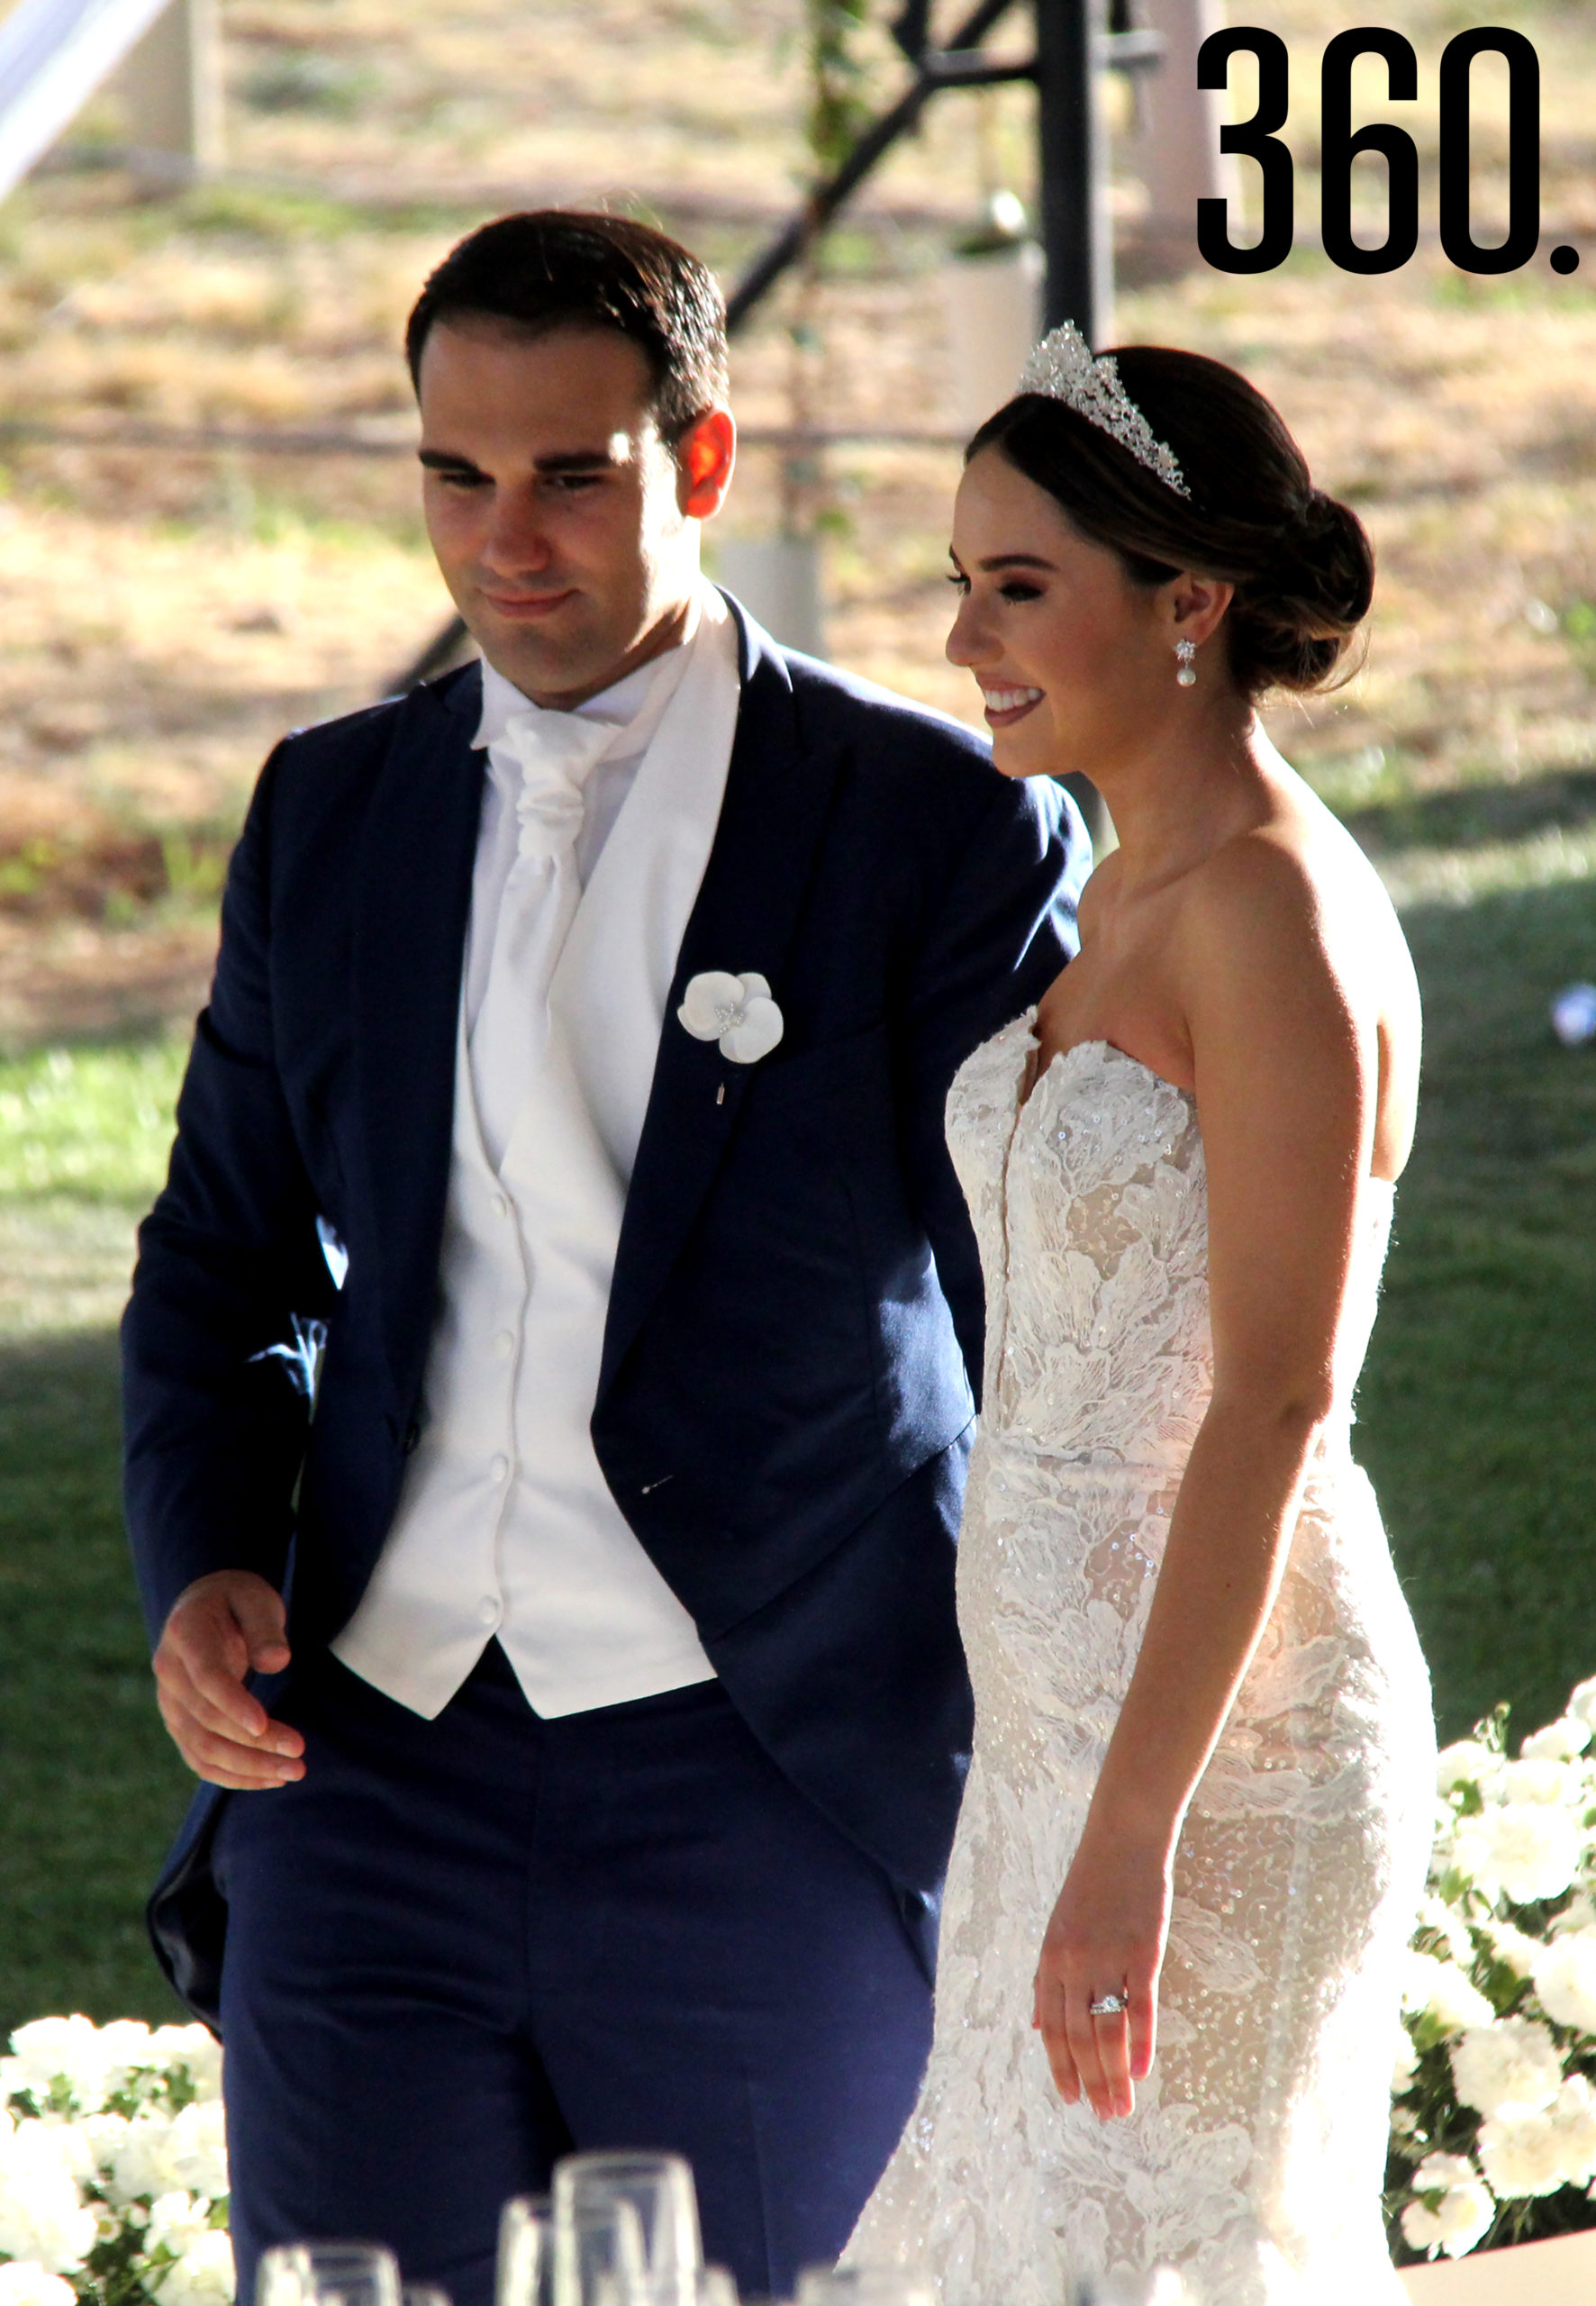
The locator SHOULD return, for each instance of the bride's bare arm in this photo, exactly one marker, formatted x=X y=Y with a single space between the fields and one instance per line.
x=1283 y=1019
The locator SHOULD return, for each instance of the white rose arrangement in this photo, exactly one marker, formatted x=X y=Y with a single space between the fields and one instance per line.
x=1494 y=2095
x=113 y=2167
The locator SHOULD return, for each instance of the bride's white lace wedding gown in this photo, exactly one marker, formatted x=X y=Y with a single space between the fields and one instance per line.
x=1254 y=2157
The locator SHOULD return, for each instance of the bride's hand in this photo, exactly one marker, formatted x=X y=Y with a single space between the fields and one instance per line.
x=1106 y=1936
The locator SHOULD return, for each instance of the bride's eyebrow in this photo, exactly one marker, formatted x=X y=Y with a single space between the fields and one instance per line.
x=1015 y=561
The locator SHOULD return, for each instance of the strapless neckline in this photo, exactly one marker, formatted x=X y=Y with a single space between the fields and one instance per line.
x=1026 y=1026
x=1100 y=1047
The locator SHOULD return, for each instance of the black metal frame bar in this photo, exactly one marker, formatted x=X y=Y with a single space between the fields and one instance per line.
x=871 y=146
x=1071 y=45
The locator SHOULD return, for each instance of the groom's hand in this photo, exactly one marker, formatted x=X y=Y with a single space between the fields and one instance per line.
x=223 y=1627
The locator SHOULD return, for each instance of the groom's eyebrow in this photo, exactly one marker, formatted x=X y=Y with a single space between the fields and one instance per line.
x=568 y=460
x=607 y=459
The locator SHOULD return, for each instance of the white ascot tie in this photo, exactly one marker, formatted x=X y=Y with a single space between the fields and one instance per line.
x=555 y=751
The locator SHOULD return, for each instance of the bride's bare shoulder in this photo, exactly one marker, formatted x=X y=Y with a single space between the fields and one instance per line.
x=1294 y=862
x=1289 y=908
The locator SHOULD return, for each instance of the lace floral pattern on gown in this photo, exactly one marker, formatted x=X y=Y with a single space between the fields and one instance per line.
x=1254 y=2157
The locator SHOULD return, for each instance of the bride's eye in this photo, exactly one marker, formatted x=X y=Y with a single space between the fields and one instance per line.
x=1017 y=589
x=959 y=580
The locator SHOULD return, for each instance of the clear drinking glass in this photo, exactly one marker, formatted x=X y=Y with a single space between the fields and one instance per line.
x=525 y=2275
x=865 y=2286
x=328 y=2273
x=656 y=2187
x=599 y=2257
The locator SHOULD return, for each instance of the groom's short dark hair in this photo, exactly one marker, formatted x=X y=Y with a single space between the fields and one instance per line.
x=555 y=267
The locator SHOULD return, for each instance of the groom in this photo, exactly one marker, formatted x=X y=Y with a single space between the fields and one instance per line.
x=573 y=1667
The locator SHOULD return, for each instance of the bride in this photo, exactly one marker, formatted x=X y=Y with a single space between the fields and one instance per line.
x=1196 y=1823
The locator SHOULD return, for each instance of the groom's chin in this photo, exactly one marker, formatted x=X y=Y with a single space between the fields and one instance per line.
x=541 y=663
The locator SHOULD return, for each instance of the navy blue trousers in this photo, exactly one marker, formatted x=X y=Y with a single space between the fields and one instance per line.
x=458 y=1949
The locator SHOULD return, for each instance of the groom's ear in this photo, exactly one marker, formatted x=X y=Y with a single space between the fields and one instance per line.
x=705 y=454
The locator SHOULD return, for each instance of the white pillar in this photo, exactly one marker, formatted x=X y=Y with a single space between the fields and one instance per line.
x=778 y=580
x=170 y=87
x=992 y=305
x=1175 y=150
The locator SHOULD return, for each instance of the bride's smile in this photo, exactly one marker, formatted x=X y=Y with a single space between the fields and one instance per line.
x=1004 y=706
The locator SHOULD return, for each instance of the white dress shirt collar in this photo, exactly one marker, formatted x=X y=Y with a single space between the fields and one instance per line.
x=634 y=705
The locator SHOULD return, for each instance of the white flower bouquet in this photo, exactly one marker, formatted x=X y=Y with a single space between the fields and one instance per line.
x=1493 y=2098
x=113 y=2167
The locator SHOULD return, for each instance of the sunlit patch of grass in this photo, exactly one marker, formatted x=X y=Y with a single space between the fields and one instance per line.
x=1371 y=777
x=303 y=79
x=1462 y=876
x=92 y=1124
x=84 y=1138
x=1535 y=288
x=257 y=213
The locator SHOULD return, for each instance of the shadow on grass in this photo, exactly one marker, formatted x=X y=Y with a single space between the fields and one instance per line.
x=1473 y=816
x=90 y=1790
x=1477 y=1414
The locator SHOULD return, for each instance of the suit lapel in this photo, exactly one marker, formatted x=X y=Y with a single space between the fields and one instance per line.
x=413 y=901
x=747 y=910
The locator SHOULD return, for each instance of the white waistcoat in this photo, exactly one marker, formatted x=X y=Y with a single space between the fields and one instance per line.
x=505 y=1523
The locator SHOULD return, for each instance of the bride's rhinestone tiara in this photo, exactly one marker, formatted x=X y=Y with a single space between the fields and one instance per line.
x=1064 y=368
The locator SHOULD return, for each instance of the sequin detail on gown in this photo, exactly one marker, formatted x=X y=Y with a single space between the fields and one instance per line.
x=1254 y=2157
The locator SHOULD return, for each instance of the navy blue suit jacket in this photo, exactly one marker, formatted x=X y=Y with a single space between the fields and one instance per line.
x=795 y=1320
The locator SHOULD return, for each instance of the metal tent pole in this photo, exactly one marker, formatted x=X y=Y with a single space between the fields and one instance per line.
x=1073 y=154
x=1072 y=157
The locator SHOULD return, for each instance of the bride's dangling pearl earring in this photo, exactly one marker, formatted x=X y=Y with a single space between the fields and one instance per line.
x=1186 y=672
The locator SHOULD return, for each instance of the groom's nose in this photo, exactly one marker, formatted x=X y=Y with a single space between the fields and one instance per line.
x=516 y=541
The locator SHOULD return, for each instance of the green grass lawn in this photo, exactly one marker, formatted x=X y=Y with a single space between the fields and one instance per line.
x=1476 y=1420
x=90 y=1790
x=1478 y=1407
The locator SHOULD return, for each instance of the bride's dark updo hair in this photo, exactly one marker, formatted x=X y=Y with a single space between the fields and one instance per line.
x=1302 y=563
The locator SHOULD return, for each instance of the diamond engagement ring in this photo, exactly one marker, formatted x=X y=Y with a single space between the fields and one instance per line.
x=1107 y=2005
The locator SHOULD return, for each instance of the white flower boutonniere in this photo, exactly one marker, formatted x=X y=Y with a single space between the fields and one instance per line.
x=737 y=1011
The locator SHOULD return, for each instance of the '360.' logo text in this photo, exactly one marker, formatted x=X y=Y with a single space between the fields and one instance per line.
x=1342 y=144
